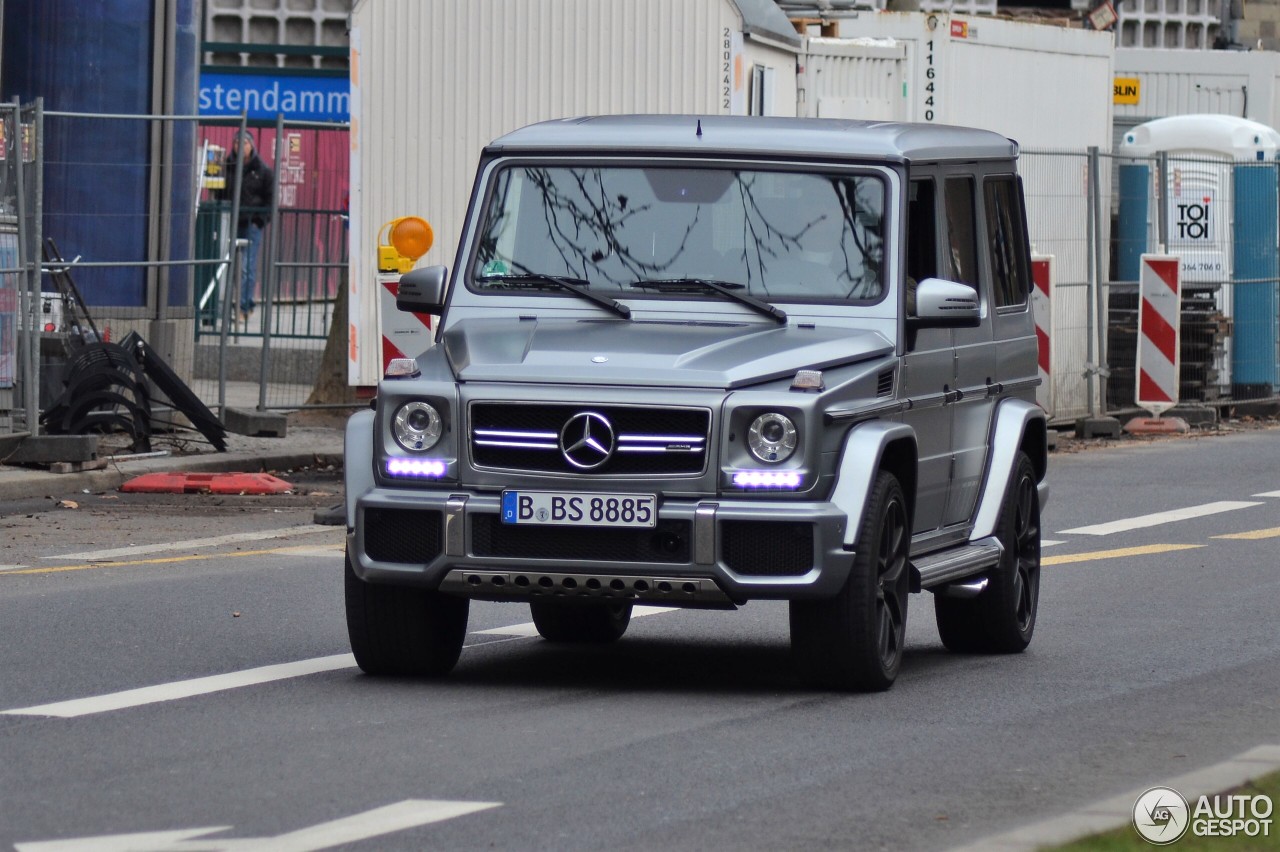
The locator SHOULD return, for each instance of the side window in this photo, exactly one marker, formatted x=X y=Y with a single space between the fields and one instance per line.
x=922 y=256
x=962 y=236
x=1007 y=241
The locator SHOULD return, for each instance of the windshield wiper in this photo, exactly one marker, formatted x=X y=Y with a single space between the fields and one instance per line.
x=579 y=289
x=729 y=289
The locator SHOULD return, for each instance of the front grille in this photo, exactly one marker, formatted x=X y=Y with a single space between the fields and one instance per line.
x=646 y=441
x=401 y=535
x=668 y=542
x=767 y=548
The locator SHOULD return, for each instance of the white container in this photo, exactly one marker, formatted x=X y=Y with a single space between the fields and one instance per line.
x=1151 y=84
x=433 y=81
x=1037 y=84
x=1034 y=83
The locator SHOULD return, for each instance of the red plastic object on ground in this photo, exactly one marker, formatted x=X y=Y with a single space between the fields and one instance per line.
x=1157 y=426
x=206 y=483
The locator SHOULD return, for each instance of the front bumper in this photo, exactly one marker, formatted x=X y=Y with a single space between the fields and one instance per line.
x=706 y=552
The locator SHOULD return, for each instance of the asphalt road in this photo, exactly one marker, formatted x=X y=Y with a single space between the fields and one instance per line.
x=1156 y=652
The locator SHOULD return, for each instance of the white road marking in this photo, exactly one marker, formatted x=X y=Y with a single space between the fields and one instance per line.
x=234 y=680
x=527 y=629
x=1158 y=518
x=184 y=688
x=401 y=816
x=1268 y=494
x=1048 y=542
x=192 y=544
x=11 y=567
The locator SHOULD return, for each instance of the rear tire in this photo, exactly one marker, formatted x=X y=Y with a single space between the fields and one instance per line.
x=855 y=640
x=397 y=630
x=595 y=623
x=1002 y=619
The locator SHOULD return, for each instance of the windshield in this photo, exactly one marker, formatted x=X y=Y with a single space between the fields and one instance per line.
x=773 y=235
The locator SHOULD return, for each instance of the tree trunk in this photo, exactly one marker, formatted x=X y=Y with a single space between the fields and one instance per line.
x=331 y=386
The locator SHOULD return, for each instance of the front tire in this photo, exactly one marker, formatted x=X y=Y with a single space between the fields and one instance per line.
x=855 y=640
x=397 y=630
x=1002 y=619
x=580 y=623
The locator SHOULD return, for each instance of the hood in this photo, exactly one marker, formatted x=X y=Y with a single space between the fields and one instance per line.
x=645 y=352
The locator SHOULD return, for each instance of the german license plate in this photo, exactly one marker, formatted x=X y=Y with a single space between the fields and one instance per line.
x=573 y=509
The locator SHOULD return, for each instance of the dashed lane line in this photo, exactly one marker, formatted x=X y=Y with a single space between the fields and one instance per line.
x=1118 y=553
x=302 y=550
x=1158 y=518
x=184 y=688
x=233 y=680
x=1252 y=535
x=191 y=544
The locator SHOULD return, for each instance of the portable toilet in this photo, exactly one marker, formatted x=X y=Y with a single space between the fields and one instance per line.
x=1219 y=215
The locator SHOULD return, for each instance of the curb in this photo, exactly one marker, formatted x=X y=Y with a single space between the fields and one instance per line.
x=24 y=484
x=1117 y=811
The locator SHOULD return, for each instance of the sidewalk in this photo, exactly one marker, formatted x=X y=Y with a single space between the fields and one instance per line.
x=312 y=441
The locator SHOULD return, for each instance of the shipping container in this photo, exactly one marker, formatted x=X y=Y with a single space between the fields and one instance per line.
x=433 y=81
x=1044 y=86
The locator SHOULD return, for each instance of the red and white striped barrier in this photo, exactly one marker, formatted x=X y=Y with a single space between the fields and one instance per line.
x=1042 y=306
x=404 y=334
x=1159 y=360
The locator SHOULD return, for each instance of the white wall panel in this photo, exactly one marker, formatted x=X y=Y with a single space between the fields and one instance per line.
x=438 y=79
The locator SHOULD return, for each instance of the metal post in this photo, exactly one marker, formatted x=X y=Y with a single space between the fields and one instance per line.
x=1099 y=243
x=1162 y=204
x=1091 y=275
x=36 y=231
x=271 y=277
x=230 y=295
x=26 y=314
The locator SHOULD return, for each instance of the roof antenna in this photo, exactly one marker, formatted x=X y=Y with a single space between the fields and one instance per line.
x=699 y=128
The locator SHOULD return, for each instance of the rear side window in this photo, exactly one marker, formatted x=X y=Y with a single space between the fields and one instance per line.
x=1006 y=241
x=962 y=240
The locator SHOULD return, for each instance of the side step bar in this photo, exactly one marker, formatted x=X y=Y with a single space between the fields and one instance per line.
x=948 y=566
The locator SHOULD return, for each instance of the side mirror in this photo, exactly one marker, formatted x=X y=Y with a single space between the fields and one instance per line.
x=422 y=290
x=946 y=304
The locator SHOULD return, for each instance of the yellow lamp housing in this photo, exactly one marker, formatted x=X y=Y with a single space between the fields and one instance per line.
x=409 y=238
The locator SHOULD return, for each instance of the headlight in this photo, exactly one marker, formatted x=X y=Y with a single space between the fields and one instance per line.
x=772 y=437
x=417 y=426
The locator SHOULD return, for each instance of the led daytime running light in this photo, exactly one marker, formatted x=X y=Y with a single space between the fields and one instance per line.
x=416 y=468
x=767 y=479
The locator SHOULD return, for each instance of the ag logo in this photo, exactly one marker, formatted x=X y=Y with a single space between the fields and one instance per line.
x=1161 y=815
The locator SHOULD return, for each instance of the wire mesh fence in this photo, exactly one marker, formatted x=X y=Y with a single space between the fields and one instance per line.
x=21 y=151
x=145 y=208
x=144 y=213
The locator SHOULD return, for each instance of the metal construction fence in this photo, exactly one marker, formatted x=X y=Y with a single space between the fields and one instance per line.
x=1097 y=213
x=144 y=221
x=20 y=200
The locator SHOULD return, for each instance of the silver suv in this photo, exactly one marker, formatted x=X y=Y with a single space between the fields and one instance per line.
x=697 y=361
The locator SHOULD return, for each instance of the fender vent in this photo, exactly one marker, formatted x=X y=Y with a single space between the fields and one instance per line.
x=884 y=384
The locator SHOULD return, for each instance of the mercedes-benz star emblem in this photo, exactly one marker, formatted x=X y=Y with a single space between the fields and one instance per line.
x=587 y=440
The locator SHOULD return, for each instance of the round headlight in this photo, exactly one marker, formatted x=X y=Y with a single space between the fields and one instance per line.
x=417 y=426
x=772 y=437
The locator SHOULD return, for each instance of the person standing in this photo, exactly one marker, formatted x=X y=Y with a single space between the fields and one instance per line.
x=257 y=183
